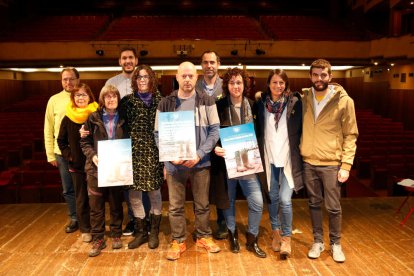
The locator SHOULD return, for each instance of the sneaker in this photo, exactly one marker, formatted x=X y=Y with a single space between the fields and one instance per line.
x=175 y=250
x=337 y=253
x=97 y=246
x=116 y=243
x=129 y=228
x=86 y=237
x=316 y=250
x=208 y=244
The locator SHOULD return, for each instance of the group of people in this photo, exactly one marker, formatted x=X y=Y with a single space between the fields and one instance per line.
x=304 y=140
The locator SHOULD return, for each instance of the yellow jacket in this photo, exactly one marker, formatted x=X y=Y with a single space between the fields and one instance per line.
x=55 y=111
x=331 y=139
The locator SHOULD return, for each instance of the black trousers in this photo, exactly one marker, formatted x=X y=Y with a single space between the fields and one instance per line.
x=82 y=201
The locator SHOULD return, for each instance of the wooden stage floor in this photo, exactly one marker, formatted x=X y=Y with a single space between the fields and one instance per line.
x=33 y=242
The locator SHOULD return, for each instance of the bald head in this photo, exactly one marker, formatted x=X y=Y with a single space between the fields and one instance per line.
x=186 y=65
x=186 y=77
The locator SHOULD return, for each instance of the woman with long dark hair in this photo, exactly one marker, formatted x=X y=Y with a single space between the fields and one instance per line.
x=279 y=128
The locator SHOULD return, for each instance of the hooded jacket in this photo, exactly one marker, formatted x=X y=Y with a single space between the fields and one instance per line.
x=331 y=138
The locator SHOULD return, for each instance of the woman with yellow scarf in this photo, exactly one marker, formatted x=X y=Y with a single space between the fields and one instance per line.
x=82 y=103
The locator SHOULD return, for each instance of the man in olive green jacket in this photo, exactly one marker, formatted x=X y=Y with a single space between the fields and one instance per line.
x=328 y=149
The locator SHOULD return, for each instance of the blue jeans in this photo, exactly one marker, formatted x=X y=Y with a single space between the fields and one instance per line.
x=67 y=185
x=280 y=197
x=252 y=192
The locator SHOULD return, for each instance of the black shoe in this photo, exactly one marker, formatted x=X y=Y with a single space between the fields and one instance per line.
x=153 y=240
x=251 y=245
x=129 y=228
x=72 y=226
x=221 y=233
x=141 y=234
x=234 y=241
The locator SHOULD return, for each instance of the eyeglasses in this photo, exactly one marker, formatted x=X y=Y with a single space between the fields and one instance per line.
x=110 y=97
x=69 y=79
x=144 y=77
x=233 y=83
x=81 y=95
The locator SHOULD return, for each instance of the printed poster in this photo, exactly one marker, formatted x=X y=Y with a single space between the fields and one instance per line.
x=115 y=163
x=176 y=136
x=242 y=152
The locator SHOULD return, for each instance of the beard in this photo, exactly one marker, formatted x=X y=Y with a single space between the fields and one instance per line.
x=128 y=71
x=320 y=88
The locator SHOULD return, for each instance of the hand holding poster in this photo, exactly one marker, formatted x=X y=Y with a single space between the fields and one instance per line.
x=176 y=136
x=242 y=153
x=115 y=163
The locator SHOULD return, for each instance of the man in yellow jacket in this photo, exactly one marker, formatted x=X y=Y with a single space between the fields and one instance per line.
x=328 y=148
x=55 y=111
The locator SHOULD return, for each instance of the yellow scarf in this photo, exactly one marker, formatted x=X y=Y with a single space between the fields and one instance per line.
x=79 y=115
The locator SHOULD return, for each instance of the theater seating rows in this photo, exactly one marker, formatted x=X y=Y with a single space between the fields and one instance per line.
x=186 y=27
x=58 y=28
x=221 y=27
x=385 y=151
x=25 y=175
x=308 y=28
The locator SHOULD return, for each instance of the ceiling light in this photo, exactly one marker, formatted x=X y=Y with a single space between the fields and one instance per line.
x=172 y=68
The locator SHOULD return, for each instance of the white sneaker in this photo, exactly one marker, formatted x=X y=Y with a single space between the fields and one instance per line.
x=86 y=237
x=337 y=253
x=316 y=250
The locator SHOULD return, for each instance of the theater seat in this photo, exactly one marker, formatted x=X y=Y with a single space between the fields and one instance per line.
x=52 y=187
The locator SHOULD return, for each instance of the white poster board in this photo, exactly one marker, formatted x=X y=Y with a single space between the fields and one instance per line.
x=115 y=163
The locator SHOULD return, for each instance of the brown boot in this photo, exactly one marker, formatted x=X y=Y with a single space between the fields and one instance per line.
x=285 y=248
x=276 y=240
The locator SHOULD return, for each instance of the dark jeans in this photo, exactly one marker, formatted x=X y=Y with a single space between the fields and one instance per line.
x=200 y=185
x=220 y=216
x=82 y=201
x=67 y=186
x=97 y=196
x=322 y=185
